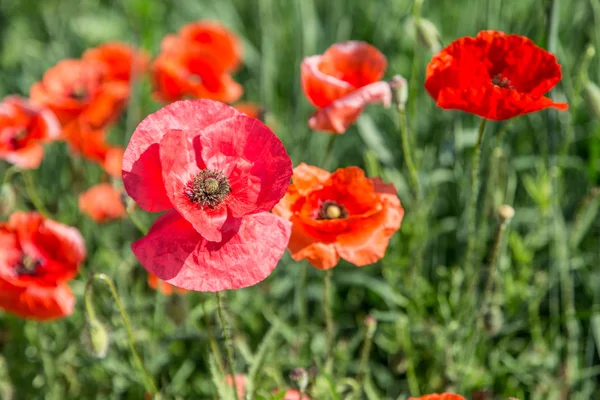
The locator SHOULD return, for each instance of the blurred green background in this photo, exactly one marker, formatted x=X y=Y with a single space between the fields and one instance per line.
x=544 y=341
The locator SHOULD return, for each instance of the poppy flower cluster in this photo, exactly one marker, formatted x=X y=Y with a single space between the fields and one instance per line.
x=38 y=257
x=216 y=172
x=197 y=63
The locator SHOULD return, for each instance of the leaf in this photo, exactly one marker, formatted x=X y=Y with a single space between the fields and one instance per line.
x=225 y=391
x=259 y=358
x=374 y=139
x=375 y=285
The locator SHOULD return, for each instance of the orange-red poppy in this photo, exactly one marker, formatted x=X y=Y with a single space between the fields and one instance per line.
x=435 y=396
x=164 y=287
x=77 y=89
x=23 y=130
x=339 y=215
x=342 y=81
x=37 y=257
x=493 y=75
x=197 y=63
x=119 y=61
x=102 y=203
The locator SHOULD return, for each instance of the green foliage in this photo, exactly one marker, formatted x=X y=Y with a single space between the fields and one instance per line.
x=430 y=335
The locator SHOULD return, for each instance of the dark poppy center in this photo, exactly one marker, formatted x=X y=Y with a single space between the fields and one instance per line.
x=27 y=266
x=502 y=82
x=13 y=141
x=79 y=93
x=208 y=188
x=332 y=210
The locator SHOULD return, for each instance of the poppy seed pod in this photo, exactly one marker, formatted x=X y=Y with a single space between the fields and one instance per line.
x=591 y=97
x=428 y=35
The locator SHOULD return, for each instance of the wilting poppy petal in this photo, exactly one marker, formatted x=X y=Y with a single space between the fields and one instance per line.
x=494 y=75
x=435 y=396
x=102 y=203
x=164 y=287
x=343 y=112
x=340 y=215
x=23 y=130
x=41 y=303
x=118 y=60
x=175 y=252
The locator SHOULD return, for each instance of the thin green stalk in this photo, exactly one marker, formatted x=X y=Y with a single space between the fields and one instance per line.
x=149 y=382
x=495 y=256
x=472 y=206
x=414 y=72
x=33 y=194
x=411 y=374
x=406 y=149
x=228 y=344
x=329 y=329
x=329 y=149
x=301 y=299
x=211 y=338
x=363 y=369
x=9 y=173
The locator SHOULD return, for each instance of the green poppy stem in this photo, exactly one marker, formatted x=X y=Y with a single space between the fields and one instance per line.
x=407 y=151
x=33 y=194
x=329 y=328
x=228 y=344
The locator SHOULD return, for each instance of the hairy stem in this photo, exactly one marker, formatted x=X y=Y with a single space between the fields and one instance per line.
x=228 y=344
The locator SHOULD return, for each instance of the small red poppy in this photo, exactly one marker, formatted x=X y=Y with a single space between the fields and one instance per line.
x=218 y=171
x=342 y=81
x=197 y=63
x=240 y=382
x=339 y=215
x=119 y=60
x=78 y=89
x=435 y=396
x=37 y=257
x=164 y=287
x=494 y=75
x=102 y=203
x=23 y=130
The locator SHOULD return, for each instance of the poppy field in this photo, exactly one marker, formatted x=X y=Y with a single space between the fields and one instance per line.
x=296 y=200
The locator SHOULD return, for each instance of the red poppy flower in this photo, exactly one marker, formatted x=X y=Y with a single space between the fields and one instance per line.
x=435 y=396
x=164 y=287
x=341 y=81
x=119 y=60
x=210 y=37
x=102 y=203
x=494 y=75
x=37 y=257
x=197 y=63
x=78 y=89
x=339 y=215
x=23 y=130
x=218 y=171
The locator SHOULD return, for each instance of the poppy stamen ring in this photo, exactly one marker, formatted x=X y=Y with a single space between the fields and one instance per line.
x=332 y=210
x=208 y=188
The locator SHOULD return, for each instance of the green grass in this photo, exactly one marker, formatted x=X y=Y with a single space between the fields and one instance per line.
x=431 y=333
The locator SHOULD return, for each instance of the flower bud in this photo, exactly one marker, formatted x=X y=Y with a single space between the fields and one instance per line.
x=591 y=97
x=506 y=213
x=428 y=35
x=7 y=199
x=300 y=376
x=371 y=324
x=97 y=338
x=493 y=320
x=176 y=308
x=399 y=88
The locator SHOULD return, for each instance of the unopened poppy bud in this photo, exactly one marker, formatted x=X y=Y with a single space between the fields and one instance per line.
x=176 y=309
x=428 y=35
x=300 y=376
x=7 y=199
x=399 y=88
x=506 y=213
x=371 y=324
x=493 y=320
x=97 y=338
x=591 y=97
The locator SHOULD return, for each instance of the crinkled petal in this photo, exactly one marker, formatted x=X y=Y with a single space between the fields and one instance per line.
x=248 y=253
x=305 y=245
x=41 y=303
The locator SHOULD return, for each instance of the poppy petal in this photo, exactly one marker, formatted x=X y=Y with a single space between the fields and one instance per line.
x=102 y=203
x=175 y=252
x=41 y=303
x=303 y=245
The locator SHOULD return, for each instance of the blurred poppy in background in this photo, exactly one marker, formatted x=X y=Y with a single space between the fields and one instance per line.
x=119 y=61
x=37 y=257
x=197 y=63
x=102 y=203
x=24 y=129
x=435 y=396
x=339 y=215
x=164 y=287
x=493 y=75
x=341 y=82
x=217 y=172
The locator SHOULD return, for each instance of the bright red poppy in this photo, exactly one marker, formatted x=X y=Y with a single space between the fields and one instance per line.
x=197 y=63
x=23 y=130
x=37 y=257
x=217 y=172
x=119 y=61
x=493 y=75
x=342 y=81
x=102 y=203
x=78 y=89
x=339 y=215
x=164 y=287
x=435 y=396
